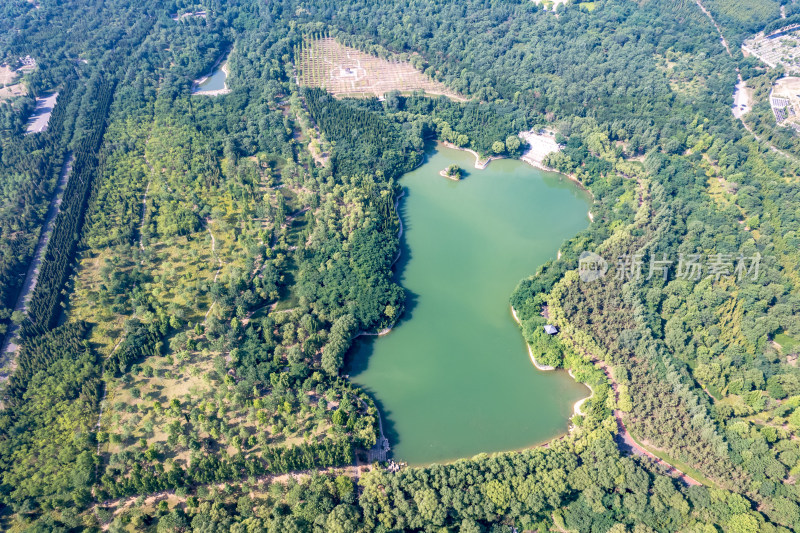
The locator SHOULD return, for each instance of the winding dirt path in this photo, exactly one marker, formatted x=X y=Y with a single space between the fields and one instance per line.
x=121 y=504
x=219 y=265
x=10 y=346
x=144 y=212
x=714 y=22
x=628 y=442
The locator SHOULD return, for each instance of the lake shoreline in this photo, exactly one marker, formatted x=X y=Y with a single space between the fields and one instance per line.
x=482 y=164
x=368 y=362
x=571 y=176
x=576 y=408
x=223 y=59
x=444 y=174
x=386 y=330
x=543 y=368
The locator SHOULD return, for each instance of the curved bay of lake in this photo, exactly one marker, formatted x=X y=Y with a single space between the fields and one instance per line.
x=215 y=81
x=453 y=378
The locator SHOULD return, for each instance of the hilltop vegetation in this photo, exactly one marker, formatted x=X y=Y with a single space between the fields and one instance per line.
x=208 y=272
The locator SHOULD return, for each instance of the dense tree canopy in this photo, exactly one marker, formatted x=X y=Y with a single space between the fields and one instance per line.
x=214 y=257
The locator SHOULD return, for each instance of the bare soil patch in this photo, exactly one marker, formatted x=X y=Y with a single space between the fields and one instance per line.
x=785 y=101
x=541 y=145
x=345 y=71
x=7 y=75
x=8 y=87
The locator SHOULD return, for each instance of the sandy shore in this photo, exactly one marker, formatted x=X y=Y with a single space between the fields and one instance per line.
x=480 y=164
x=543 y=368
x=444 y=174
x=542 y=166
x=576 y=409
x=540 y=145
x=224 y=90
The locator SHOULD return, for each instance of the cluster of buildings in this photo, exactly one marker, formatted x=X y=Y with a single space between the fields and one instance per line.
x=201 y=14
x=27 y=62
x=778 y=48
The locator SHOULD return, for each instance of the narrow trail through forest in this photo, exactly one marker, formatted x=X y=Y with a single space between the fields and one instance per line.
x=10 y=346
x=144 y=212
x=121 y=504
x=626 y=437
x=219 y=263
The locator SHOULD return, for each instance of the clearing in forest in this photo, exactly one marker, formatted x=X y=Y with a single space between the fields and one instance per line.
x=551 y=5
x=785 y=101
x=778 y=48
x=8 y=87
x=345 y=71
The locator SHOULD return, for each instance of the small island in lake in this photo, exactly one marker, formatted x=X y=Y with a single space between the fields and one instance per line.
x=453 y=172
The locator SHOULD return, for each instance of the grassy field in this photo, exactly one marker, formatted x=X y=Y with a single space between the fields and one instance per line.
x=8 y=86
x=685 y=72
x=173 y=402
x=345 y=71
x=788 y=344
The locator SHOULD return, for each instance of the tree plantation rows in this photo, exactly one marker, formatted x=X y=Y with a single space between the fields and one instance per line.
x=32 y=165
x=362 y=137
x=47 y=449
x=44 y=306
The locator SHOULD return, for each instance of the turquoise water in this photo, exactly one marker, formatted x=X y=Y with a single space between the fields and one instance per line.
x=215 y=82
x=454 y=378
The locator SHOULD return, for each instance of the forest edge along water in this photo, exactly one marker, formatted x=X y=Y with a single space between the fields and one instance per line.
x=215 y=82
x=453 y=379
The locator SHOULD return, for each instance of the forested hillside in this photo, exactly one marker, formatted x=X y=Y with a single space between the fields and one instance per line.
x=180 y=366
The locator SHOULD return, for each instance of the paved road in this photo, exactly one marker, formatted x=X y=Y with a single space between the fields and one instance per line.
x=10 y=347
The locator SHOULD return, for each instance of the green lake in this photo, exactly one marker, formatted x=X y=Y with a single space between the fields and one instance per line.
x=453 y=378
x=214 y=81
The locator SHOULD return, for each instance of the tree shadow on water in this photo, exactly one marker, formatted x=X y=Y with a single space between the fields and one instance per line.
x=359 y=355
x=357 y=361
x=389 y=429
x=399 y=267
